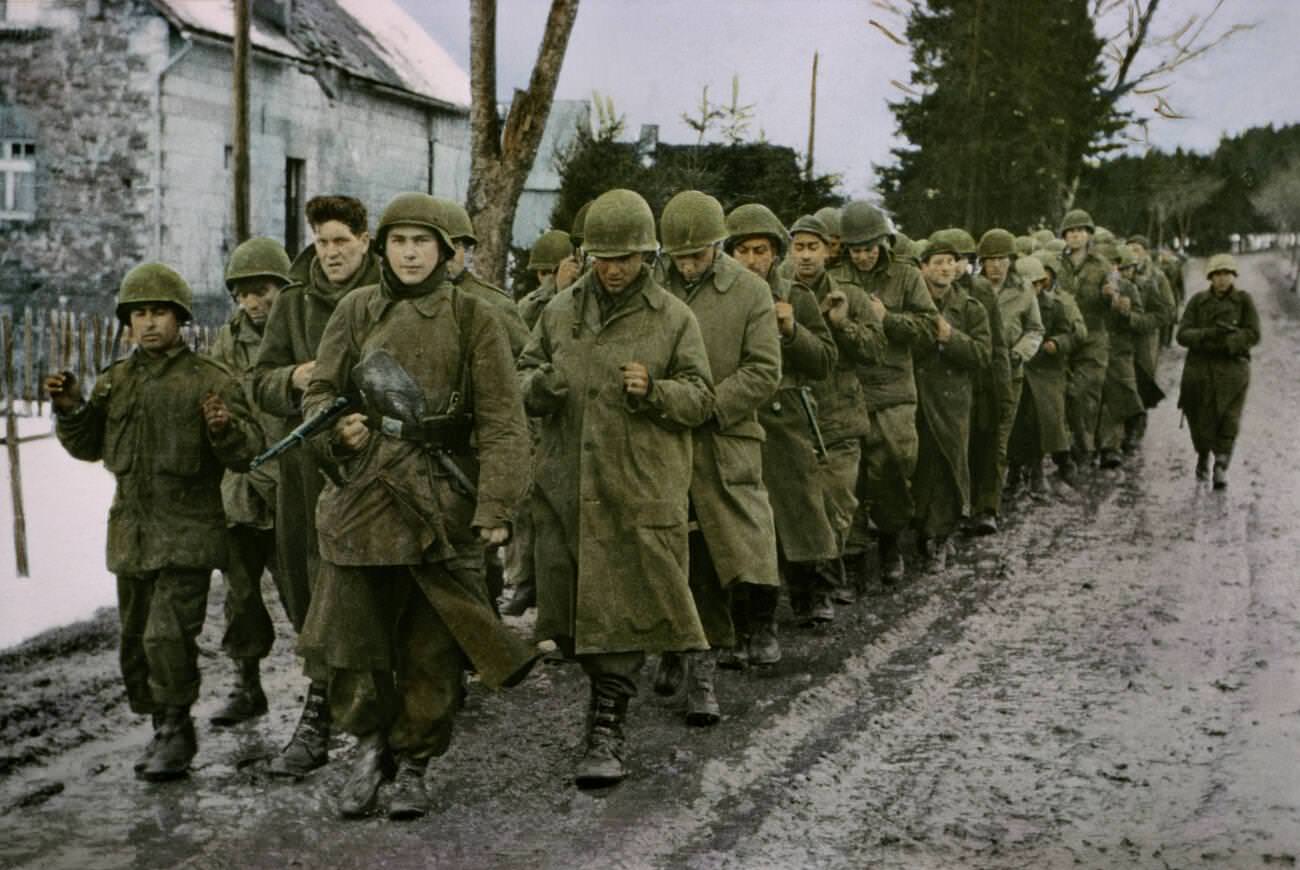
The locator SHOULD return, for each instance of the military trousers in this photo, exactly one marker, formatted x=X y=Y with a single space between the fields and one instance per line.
x=611 y=673
x=161 y=614
x=938 y=497
x=249 y=630
x=411 y=697
x=839 y=477
x=889 y=456
x=520 y=566
x=712 y=601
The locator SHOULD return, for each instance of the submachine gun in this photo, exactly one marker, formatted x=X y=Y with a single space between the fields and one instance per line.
x=393 y=403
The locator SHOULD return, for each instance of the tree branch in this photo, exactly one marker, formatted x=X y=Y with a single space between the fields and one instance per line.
x=529 y=109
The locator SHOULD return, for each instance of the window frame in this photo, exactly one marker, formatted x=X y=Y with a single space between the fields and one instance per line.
x=17 y=158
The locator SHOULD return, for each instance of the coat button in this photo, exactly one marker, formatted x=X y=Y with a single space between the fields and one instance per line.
x=776 y=406
x=593 y=392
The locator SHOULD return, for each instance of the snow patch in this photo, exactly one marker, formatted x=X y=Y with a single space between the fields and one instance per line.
x=413 y=54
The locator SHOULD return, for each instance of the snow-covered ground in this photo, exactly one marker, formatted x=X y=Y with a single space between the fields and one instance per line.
x=66 y=503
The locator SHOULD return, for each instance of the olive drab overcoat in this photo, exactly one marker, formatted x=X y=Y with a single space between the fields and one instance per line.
x=614 y=471
x=1158 y=301
x=1120 y=397
x=859 y=341
x=530 y=307
x=791 y=469
x=1046 y=373
x=394 y=504
x=144 y=421
x=945 y=383
x=248 y=497
x=993 y=383
x=502 y=306
x=734 y=309
x=1218 y=332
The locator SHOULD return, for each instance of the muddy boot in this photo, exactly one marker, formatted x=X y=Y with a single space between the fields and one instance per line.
x=246 y=700
x=1015 y=477
x=1203 y=466
x=891 y=560
x=1111 y=458
x=984 y=524
x=175 y=749
x=522 y=597
x=936 y=555
x=410 y=799
x=670 y=674
x=1037 y=483
x=602 y=764
x=821 y=604
x=1065 y=468
x=1220 y=472
x=736 y=658
x=701 y=702
x=372 y=767
x=764 y=648
x=151 y=747
x=846 y=590
x=308 y=749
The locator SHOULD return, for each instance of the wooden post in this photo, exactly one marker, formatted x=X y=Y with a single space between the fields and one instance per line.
x=31 y=390
x=240 y=138
x=812 y=121
x=11 y=447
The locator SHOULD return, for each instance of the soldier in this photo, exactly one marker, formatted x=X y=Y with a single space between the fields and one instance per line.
x=552 y=259
x=1158 y=300
x=1020 y=331
x=735 y=545
x=256 y=272
x=338 y=262
x=617 y=371
x=945 y=380
x=829 y=217
x=401 y=607
x=889 y=449
x=1128 y=322
x=453 y=216
x=1171 y=265
x=1084 y=276
x=1041 y=426
x=165 y=421
x=1025 y=245
x=1218 y=328
x=792 y=468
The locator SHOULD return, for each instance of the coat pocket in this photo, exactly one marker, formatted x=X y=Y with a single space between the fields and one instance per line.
x=119 y=437
x=740 y=460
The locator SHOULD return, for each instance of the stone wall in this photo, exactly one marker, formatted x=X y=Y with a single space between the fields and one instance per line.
x=89 y=88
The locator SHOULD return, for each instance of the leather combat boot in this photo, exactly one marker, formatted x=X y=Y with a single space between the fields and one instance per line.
x=372 y=767
x=764 y=648
x=736 y=658
x=701 y=703
x=936 y=555
x=1037 y=483
x=1111 y=458
x=1220 y=472
x=984 y=524
x=151 y=747
x=308 y=748
x=1015 y=479
x=176 y=747
x=602 y=764
x=670 y=673
x=1203 y=466
x=246 y=700
x=1065 y=469
x=845 y=591
x=522 y=597
x=410 y=799
x=891 y=560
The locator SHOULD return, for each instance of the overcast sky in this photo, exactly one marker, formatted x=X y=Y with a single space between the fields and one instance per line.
x=654 y=58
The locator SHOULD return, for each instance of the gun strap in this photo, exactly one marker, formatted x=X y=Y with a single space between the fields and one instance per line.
x=464 y=326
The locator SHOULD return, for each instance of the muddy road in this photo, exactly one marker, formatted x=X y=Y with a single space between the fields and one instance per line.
x=1114 y=681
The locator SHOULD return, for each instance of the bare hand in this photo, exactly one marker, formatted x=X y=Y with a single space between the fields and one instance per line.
x=494 y=536
x=636 y=379
x=567 y=272
x=65 y=392
x=1049 y=346
x=302 y=375
x=942 y=330
x=352 y=432
x=835 y=307
x=215 y=413
x=784 y=318
x=1122 y=304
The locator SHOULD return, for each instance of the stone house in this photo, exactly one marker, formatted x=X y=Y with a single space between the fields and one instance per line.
x=115 y=131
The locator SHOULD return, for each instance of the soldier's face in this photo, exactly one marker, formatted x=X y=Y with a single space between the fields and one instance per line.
x=834 y=250
x=756 y=253
x=1076 y=238
x=865 y=257
x=1221 y=281
x=154 y=326
x=1042 y=285
x=808 y=253
x=940 y=271
x=341 y=252
x=693 y=266
x=256 y=296
x=1138 y=251
x=616 y=273
x=996 y=268
x=412 y=252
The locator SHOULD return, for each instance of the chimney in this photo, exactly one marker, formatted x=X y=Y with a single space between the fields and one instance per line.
x=277 y=12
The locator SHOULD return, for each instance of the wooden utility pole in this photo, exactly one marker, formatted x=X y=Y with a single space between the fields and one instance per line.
x=812 y=121
x=240 y=137
x=11 y=447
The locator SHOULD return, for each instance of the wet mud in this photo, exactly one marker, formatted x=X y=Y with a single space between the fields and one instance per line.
x=1113 y=681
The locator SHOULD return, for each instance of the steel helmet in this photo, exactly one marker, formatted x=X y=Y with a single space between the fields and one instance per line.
x=755 y=220
x=549 y=250
x=154 y=282
x=1077 y=218
x=619 y=223
x=1221 y=263
x=258 y=258
x=1031 y=269
x=830 y=218
x=691 y=222
x=861 y=223
x=996 y=243
x=416 y=209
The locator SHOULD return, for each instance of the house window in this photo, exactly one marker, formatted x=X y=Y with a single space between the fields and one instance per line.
x=17 y=180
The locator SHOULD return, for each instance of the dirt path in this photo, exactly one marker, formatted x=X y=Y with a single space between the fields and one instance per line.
x=1112 y=682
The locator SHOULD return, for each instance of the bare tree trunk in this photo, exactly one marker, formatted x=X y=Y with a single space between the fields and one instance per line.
x=501 y=157
x=240 y=138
